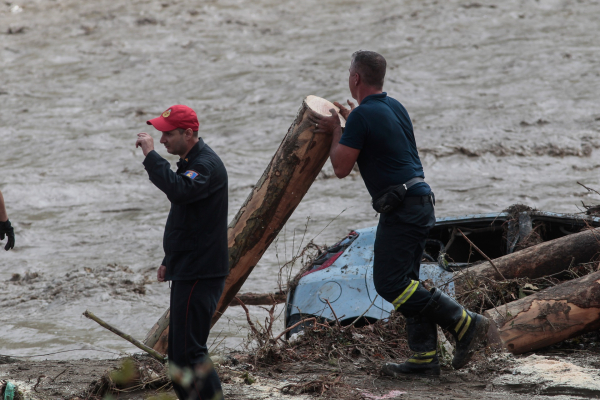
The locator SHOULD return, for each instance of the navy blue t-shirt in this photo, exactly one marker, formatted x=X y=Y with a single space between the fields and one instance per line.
x=381 y=129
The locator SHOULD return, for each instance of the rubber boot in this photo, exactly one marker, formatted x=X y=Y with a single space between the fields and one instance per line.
x=422 y=339
x=468 y=328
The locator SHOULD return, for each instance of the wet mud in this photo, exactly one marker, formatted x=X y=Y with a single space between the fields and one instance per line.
x=553 y=375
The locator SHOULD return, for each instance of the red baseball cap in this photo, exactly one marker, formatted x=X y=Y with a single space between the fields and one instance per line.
x=178 y=116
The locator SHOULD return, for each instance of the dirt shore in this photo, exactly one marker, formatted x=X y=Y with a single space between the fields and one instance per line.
x=567 y=371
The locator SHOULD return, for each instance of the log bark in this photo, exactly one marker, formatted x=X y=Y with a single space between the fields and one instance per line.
x=550 y=316
x=259 y=299
x=540 y=260
x=155 y=337
x=294 y=167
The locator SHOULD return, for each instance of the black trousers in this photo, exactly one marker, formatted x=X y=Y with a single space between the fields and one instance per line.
x=399 y=246
x=193 y=304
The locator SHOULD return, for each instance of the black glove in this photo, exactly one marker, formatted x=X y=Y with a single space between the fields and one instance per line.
x=7 y=229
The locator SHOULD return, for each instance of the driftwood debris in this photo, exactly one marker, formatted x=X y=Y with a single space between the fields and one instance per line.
x=259 y=299
x=536 y=261
x=550 y=316
x=125 y=336
x=273 y=199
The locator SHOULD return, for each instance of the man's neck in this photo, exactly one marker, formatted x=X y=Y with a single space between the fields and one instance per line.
x=189 y=148
x=366 y=91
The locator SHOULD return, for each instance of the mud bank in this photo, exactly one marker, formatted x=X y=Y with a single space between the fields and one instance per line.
x=326 y=361
x=549 y=375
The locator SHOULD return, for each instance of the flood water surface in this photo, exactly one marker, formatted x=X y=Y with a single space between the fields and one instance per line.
x=504 y=98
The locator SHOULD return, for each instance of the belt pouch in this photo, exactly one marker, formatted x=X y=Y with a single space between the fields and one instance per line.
x=390 y=200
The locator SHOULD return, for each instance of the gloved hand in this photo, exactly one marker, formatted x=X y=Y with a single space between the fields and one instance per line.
x=7 y=229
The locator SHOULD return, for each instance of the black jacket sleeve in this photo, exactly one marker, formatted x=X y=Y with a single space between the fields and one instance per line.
x=178 y=188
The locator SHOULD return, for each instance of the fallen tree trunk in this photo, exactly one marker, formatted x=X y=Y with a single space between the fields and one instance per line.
x=533 y=262
x=293 y=169
x=550 y=316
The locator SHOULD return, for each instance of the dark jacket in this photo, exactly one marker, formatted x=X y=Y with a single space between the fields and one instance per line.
x=195 y=239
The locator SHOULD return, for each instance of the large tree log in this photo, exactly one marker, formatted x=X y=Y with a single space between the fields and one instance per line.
x=293 y=169
x=550 y=316
x=540 y=260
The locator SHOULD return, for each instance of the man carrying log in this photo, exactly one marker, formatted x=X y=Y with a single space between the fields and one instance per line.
x=6 y=229
x=195 y=245
x=379 y=137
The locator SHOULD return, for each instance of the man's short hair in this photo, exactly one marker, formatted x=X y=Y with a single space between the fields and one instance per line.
x=181 y=130
x=370 y=66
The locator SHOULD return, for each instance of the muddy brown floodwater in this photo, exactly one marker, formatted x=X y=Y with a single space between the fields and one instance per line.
x=504 y=96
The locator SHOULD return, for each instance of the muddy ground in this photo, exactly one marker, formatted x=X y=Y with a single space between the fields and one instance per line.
x=492 y=378
x=565 y=371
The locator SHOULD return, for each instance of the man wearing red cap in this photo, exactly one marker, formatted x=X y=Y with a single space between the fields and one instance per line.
x=195 y=244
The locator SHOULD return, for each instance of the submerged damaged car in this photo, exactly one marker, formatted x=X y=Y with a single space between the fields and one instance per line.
x=340 y=279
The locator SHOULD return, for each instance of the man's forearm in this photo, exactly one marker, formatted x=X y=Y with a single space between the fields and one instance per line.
x=335 y=145
x=3 y=214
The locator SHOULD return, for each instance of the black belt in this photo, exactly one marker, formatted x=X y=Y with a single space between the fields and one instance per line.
x=414 y=200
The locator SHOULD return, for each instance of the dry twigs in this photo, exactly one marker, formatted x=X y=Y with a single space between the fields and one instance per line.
x=321 y=342
x=366 y=311
x=295 y=325
x=337 y=321
x=318 y=386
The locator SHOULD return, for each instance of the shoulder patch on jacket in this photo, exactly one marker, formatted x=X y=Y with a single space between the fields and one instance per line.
x=190 y=174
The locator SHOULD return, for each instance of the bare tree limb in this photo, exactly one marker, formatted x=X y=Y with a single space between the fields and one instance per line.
x=125 y=336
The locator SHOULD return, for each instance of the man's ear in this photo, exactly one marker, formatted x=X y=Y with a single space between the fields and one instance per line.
x=189 y=133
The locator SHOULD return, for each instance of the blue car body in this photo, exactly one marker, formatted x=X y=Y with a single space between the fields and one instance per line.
x=346 y=283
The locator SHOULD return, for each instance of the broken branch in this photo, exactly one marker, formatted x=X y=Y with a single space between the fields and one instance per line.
x=125 y=336
x=295 y=325
x=335 y=316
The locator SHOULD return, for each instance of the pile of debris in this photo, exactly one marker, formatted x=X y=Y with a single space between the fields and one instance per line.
x=543 y=294
x=135 y=374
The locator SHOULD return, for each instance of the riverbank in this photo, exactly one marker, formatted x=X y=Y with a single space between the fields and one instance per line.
x=327 y=362
x=556 y=375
